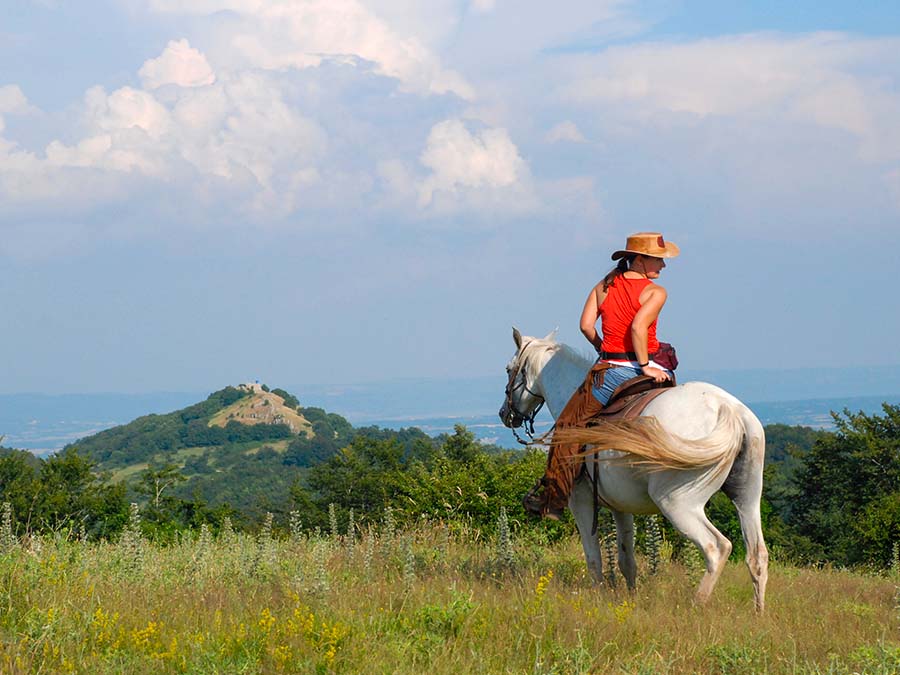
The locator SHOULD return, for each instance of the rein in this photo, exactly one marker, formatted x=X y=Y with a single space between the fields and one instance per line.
x=512 y=388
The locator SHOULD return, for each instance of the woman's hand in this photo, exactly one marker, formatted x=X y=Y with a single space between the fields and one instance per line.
x=657 y=374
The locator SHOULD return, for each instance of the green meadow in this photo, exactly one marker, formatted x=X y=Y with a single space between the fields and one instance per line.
x=435 y=598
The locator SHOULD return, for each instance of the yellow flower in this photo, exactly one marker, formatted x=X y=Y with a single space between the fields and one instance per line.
x=542 y=584
x=622 y=611
x=266 y=620
x=282 y=654
x=141 y=638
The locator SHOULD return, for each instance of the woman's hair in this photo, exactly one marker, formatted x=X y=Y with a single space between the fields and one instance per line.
x=617 y=271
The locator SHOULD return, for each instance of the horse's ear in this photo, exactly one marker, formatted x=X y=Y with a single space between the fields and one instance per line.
x=517 y=337
x=551 y=336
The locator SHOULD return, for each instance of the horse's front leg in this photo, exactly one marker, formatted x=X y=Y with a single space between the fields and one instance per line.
x=625 y=537
x=581 y=503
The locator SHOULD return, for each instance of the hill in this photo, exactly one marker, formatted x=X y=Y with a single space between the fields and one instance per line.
x=244 y=447
x=262 y=407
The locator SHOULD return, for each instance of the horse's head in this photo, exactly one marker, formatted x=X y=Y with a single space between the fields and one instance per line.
x=524 y=396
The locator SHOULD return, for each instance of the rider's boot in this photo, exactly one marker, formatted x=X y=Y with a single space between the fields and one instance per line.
x=545 y=500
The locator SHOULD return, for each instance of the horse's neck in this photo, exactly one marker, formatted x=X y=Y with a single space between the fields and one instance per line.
x=560 y=375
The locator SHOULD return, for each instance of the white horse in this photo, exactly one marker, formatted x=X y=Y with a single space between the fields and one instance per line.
x=712 y=439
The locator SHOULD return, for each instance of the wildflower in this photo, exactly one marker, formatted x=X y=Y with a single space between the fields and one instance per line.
x=409 y=562
x=296 y=526
x=7 y=536
x=142 y=638
x=654 y=542
x=505 y=553
x=542 y=584
x=622 y=611
x=282 y=654
x=266 y=621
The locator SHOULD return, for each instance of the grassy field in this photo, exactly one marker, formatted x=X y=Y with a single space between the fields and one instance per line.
x=433 y=599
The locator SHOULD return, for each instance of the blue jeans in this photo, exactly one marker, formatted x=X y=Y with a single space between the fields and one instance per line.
x=612 y=378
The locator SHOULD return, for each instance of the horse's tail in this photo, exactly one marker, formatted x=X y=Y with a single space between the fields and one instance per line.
x=648 y=444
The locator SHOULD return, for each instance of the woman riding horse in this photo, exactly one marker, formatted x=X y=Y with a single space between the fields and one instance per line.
x=627 y=302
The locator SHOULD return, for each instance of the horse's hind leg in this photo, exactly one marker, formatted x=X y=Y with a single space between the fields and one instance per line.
x=691 y=521
x=744 y=488
x=757 y=554
x=581 y=503
x=625 y=536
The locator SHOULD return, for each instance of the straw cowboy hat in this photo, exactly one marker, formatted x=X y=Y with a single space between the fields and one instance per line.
x=648 y=243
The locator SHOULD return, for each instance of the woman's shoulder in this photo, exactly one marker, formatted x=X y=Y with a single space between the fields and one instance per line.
x=653 y=289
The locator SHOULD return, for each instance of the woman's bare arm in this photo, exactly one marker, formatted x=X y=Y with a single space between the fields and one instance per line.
x=590 y=314
x=652 y=301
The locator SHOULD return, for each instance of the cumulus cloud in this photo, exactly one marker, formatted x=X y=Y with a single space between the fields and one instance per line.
x=179 y=64
x=462 y=162
x=277 y=110
x=126 y=128
x=12 y=100
x=239 y=132
x=565 y=131
x=276 y=35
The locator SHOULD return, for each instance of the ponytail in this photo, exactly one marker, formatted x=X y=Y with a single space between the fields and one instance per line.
x=617 y=271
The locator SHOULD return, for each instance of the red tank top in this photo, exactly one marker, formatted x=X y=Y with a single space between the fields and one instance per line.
x=617 y=312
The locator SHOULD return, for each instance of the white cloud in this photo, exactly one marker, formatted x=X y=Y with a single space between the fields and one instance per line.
x=399 y=182
x=830 y=80
x=462 y=162
x=844 y=85
x=239 y=134
x=179 y=64
x=565 y=131
x=127 y=108
x=127 y=130
x=276 y=35
x=12 y=100
x=281 y=111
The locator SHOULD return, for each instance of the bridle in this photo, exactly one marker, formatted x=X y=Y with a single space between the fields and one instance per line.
x=513 y=413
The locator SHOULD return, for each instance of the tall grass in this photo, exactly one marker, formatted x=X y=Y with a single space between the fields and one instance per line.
x=428 y=599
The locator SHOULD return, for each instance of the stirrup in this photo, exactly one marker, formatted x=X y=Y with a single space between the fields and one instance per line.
x=533 y=502
x=536 y=502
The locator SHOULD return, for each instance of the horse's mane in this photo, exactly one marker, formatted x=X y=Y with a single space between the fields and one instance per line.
x=569 y=353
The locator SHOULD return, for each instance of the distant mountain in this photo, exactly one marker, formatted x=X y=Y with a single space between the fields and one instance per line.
x=44 y=423
x=416 y=398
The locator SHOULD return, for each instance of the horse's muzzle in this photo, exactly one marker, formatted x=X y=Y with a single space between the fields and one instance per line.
x=510 y=418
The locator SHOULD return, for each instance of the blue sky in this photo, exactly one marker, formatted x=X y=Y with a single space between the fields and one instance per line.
x=202 y=192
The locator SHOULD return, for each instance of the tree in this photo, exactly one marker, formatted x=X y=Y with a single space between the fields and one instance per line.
x=848 y=489
x=71 y=493
x=156 y=480
x=19 y=483
x=367 y=475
